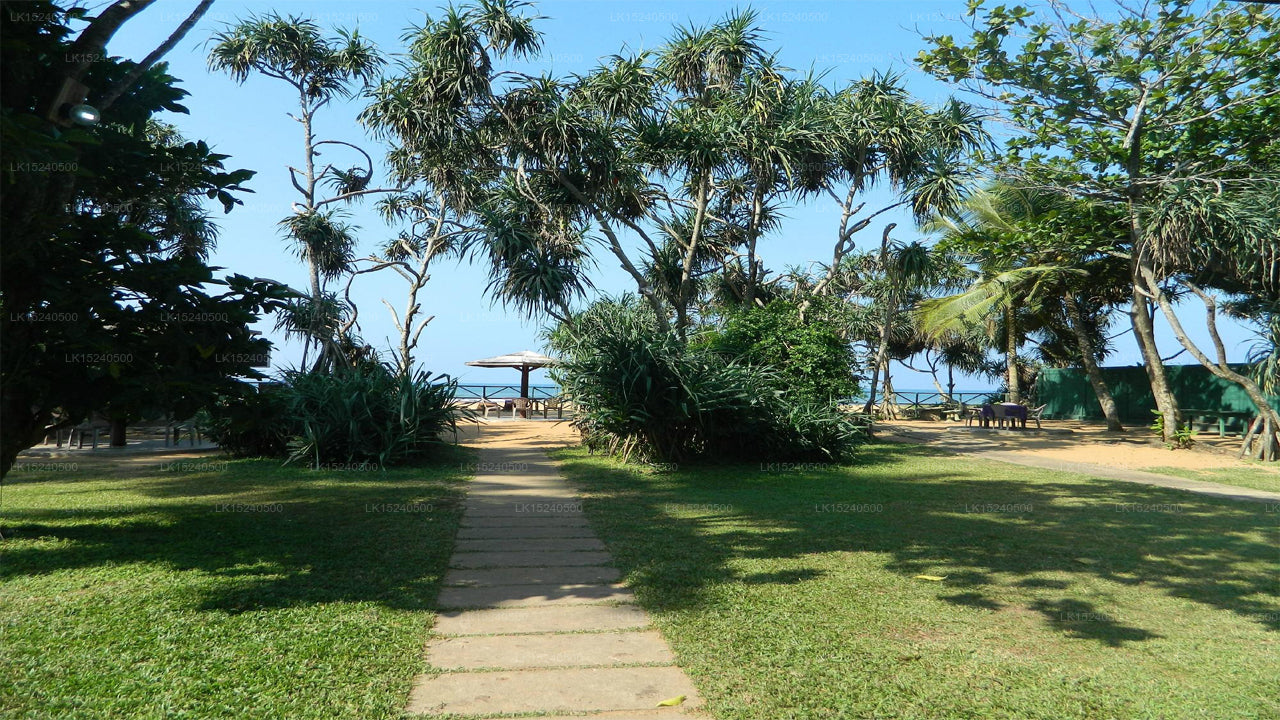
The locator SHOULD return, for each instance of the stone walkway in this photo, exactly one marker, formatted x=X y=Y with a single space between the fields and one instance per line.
x=532 y=619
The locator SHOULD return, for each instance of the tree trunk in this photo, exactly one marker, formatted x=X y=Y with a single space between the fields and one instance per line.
x=122 y=86
x=92 y=41
x=1144 y=333
x=1088 y=358
x=886 y=319
x=757 y=207
x=313 y=268
x=25 y=425
x=118 y=429
x=1011 y=354
x=882 y=351
x=887 y=394
x=1140 y=311
x=875 y=383
x=1268 y=448
x=684 y=293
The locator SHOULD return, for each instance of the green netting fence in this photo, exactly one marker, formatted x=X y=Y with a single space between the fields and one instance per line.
x=1067 y=394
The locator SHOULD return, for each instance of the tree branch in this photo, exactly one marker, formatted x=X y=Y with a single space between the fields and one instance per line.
x=115 y=91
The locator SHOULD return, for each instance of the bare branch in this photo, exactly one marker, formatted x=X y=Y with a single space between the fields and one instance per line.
x=123 y=84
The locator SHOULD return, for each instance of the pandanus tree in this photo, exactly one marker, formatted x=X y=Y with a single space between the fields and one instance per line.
x=690 y=149
x=883 y=136
x=295 y=50
x=950 y=353
x=1125 y=106
x=463 y=135
x=1211 y=243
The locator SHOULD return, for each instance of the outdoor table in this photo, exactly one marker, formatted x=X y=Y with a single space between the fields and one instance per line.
x=1221 y=416
x=1012 y=411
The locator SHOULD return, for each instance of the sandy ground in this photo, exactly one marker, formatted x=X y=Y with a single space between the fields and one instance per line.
x=545 y=434
x=1133 y=449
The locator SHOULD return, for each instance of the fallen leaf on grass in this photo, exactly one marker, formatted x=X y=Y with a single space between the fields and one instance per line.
x=934 y=578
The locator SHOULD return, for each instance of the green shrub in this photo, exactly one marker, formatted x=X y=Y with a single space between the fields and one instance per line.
x=641 y=391
x=810 y=356
x=361 y=415
x=367 y=414
x=1183 y=437
x=249 y=423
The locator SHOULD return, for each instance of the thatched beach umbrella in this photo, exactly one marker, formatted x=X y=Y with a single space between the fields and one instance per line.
x=524 y=361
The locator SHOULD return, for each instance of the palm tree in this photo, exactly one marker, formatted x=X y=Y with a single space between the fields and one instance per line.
x=1011 y=234
x=992 y=308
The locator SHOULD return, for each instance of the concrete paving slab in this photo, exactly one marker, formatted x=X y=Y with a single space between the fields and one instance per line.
x=569 y=575
x=520 y=482
x=558 y=489
x=515 y=652
x=561 y=690
x=501 y=596
x=525 y=521
x=521 y=509
x=569 y=618
x=562 y=544
x=546 y=558
x=491 y=495
x=552 y=489
x=524 y=531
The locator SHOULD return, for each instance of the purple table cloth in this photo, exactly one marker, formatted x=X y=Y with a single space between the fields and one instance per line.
x=1011 y=410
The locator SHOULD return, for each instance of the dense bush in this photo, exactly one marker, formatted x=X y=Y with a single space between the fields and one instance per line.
x=811 y=357
x=249 y=423
x=641 y=391
x=366 y=414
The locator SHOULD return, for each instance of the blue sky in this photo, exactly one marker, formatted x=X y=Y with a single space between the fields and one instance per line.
x=849 y=39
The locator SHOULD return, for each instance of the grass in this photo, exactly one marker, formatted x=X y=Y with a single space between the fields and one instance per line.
x=1258 y=478
x=207 y=588
x=792 y=592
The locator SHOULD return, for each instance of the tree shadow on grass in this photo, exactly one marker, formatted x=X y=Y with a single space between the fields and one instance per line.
x=984 y=525
x=1079 y=619
x=260 y=536
x=973 y=600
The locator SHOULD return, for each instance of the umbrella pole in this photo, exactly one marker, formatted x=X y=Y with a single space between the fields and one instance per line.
x=524 y=391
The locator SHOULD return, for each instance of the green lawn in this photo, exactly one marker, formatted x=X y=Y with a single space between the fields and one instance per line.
x=216 y=589
x=790 y=592
x=1259 y=478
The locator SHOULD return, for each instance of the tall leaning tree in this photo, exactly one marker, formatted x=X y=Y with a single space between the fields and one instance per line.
x=1121 y=106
